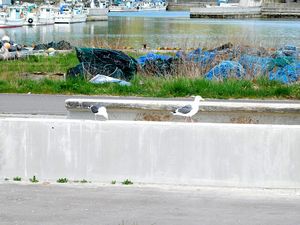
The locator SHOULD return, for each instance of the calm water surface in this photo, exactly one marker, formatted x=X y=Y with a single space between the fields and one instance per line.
x=158 y=29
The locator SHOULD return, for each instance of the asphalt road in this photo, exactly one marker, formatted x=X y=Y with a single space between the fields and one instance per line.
x=55 y=104
x=122 y=205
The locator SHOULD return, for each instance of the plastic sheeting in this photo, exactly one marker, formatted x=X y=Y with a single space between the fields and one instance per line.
x=101 y=79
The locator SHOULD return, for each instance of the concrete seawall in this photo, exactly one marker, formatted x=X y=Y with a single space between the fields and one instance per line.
x=226 y=12
x=209 y=111
x=266 y=10
x=240 y=155
x=97 y=14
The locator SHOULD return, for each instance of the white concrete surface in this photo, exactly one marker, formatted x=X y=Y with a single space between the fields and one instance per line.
x=152 y=152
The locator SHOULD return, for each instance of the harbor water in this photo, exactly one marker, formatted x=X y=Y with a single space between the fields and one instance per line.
x=163 y=29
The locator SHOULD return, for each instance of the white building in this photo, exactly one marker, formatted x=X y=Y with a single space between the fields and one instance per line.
x=5 y=2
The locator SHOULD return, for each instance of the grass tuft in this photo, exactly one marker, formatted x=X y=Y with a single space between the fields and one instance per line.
x=17 y=179
x=33 y=180
x=62 y=180
x=127 y=182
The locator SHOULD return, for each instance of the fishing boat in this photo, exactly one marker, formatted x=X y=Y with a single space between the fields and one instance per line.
x=30 y=14
x=70 y=14
x=152 y=6
x=123 y=7
x=43 y=15
x=14 y=17
x=47 y=14
x=3 y=16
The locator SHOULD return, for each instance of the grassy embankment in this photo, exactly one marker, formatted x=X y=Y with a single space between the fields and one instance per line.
x=12 y=80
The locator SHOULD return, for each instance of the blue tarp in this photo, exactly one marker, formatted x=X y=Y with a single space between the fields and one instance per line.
x=62 y=8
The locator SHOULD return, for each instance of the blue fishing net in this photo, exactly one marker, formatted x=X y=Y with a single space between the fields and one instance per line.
x=254 y=65
x=226 y=69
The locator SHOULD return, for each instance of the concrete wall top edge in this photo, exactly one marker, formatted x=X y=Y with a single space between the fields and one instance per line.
x=144 y=123
x=82 y=104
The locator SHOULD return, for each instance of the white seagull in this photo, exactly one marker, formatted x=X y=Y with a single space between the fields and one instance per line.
x=99 y=111
x=189 y=110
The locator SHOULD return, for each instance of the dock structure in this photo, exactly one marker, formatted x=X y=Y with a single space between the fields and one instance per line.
x=278 y=10
x=226 y=12
x=97 y=14
x=245 y=9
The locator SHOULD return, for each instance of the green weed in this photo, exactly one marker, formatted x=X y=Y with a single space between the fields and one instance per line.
x=17 y=179
x=127 y=182
x=83 y=181
x=62 y=180
x=33 y=180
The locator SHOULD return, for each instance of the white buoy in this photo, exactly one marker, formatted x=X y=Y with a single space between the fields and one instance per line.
x=5 y=38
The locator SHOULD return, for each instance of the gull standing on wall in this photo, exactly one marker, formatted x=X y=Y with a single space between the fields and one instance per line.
x=99 y=111
x=189 y=110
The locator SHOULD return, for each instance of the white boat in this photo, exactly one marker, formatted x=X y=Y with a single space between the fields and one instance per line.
x=14 y=17
x=3 y=16
x=30 y=14
x=46 y=14
x=128 y=7
x=68 y=14
x=152 y=6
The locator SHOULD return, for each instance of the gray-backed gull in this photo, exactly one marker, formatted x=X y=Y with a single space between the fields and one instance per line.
x=189 y=110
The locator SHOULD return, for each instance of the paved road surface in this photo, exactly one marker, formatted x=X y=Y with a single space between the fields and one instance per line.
x=112 y=205
x=51 y=104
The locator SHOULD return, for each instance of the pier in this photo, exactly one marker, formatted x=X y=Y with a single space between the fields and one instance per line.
x=248 y=9
x=226 y=12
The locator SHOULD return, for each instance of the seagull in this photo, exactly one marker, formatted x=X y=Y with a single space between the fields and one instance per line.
x=99 y=111
x=189 y=110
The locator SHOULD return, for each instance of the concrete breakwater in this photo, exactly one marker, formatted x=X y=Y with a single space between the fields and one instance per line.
x=266 y=10
x=240 y=155
x=226 y=12
x=97 y=14
x=280 y=10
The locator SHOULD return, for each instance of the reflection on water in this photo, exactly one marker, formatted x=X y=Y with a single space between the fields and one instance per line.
x=157 y=29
